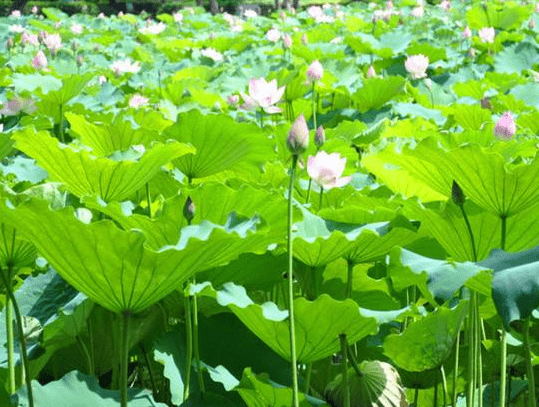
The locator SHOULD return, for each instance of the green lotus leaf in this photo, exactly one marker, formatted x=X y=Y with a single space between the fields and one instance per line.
x=78 y=389
x=84 y=174
x=14 y=251
x=6 y=145
x=377 y=91
x=213 y=201
x=72 y=85
x=426 y=343
x=114 y=267
x=471 y=117
x=220 y=143
x=378 y=386
x=515 y=284
x=111 y=136
x=437 y=279
x=318 y=323
x=516 y=58
x=318 y=242
x=497 y=16
x=259 y=391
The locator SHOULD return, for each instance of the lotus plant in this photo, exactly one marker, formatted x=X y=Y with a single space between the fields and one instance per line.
x=263 y=95
x=505 y=128
x=416 y=66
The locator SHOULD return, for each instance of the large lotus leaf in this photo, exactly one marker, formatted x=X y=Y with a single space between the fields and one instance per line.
x=471 y=117
x=84 y=174
x=507 y=16
x=377 y=91
x=399 y=179
x=77 y=389
x=515 y=284
x=6 y=145
x=114 y=267
x=318 y=242
x=220 y=143
x=436 y=279
x=516 y=58
x=13 y=250
x=448 y=226
x=213 y=202
x=378 y=386
x=426 y=343
x=484 y=176
x=318 y=323
x=106 y=138
x=72 y=85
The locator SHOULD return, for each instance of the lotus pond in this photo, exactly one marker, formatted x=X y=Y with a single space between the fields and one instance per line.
x=335 y=206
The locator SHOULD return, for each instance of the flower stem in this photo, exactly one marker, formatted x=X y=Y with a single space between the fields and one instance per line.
x=314 y=106
x=195 y=343
x=346 y=384
x=350 y=279
x=149 y=199
x=10 y=337
x=308 y=190
x=529 y=367
x=22 y=340
x=125 y=357
x=456 y=370
x=189 y=345
x=321 y=196
x=471 y=352
x=294 y=364
x=503 y=367
x=470 y=232
x=61 y=124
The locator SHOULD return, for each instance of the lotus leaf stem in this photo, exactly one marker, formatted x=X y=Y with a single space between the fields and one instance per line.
x=503 y=218
x=456 y=370
x=195 y=343
x=22 y=340
x=352 y=360
x=292 y=329
x=350 y=279
x=471 y=352
x=444 y=385
x=124 y=363
x=308 y=375
x=345 y=383
x=321 y=196
x=10 y=337
x=149 y=199
x=503 y=367
x=150 y=370
x=188 y=344
x=529 y=367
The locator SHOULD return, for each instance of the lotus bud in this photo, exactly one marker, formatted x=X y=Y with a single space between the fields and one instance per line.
x=39 y=61
x=320 y=137
x=457 y=194
x=304 y=39
x=75 y=46
x=9 y=43
x=371 y=73
x=298 y=136
x=471 y=53
x=79 y=60
x=505 y=128
x=467 y=33
x=315 y=71
x=531 y=24
x=233 y=100
x=189 y=209
x=287 y=41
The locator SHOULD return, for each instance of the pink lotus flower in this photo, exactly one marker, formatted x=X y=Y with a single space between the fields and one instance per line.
x=40 y=61
x=31 y=39
x=326 y=170
x=16 y=14
x=319 y=137
x=153 y=28
x=18 y=105
x=487 y=35
x=16 y=28
x=76 y=28
x=263 y=94
x=101 y=79
x=467 y=33
x=233 y=100
x=315 y=71
x=287 y=41
x=416 y=66
x=273 y=35
x=53 y=42
x=35 y=9
x=445 y=5
x=371 y=73
x=298 y=136
x=137 y=101
x=178 y=17
x=418 y=12
x=505 y=128
x=119 y=67
x=212 y=54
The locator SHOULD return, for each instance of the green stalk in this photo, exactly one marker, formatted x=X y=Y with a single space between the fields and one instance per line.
x=308 y=190
x=455 y=372
x=470 y=232
x=85 y=351
x=444 y=385
x=350 y=279
x=471 y=352
x=345 y=382
x=308 y=375
x=61 y=124
x=261 y=118
x=189 y=346
x=294 y=364
x=195 y=343
x=149 y=199
x=314 y=105
x=352 y=360
x=503 y=367
x=436 y=390
x=479 y=358
x=504 y=230
x=124 y=362
x=10 y=337
x=529 y=367
x=22 y=341
x=416 y=396
x=321 y=195
x=150 y=370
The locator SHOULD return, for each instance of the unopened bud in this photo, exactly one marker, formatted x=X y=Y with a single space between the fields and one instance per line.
x=485 y=103
x=315 y=71
x=9 y=43
x=74 y=46
x=189 y=209
x=79 y=60
x=457 y=194
x=304 y=39
x=298 y=136
x=287 y=41
x=320 y=137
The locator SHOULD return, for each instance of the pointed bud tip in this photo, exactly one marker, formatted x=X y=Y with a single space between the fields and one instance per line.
x=457 y=194
x=298 y=136
x=189 y=209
